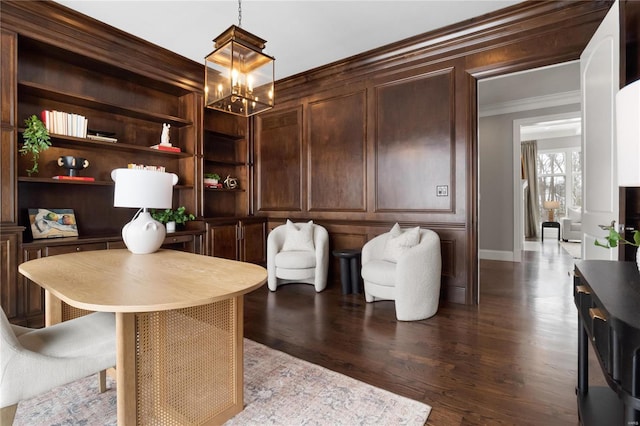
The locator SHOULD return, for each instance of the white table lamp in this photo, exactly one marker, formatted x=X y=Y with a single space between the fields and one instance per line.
x=143 y=189
x=551 y=205
x=628 y=134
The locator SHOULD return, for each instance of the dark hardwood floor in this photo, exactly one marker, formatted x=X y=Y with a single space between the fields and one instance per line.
x=511 y=360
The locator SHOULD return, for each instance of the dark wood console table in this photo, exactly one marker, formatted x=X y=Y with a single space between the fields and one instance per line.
x=607 y=295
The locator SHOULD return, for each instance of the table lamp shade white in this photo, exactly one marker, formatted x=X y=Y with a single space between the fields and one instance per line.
x=551 y=206
x=628 y=134
x=143 y=189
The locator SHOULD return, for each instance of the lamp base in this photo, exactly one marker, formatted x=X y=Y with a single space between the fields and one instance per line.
x=143 y=235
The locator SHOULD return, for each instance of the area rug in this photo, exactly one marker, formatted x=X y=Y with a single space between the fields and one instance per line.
x=278 y=390
x=573 y=248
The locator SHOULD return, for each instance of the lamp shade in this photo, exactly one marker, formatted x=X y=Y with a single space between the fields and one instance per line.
x=550 y=205
x=143 y=188
x=628 y=134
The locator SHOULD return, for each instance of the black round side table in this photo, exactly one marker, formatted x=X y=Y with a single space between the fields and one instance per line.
x=349 y=269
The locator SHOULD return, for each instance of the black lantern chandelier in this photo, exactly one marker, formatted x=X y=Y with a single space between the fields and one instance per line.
x=238 y=76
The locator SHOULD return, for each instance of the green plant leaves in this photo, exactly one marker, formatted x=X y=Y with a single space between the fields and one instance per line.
x=35 y=140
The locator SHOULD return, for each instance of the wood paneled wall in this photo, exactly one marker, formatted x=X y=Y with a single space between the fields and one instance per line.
x=390 y=135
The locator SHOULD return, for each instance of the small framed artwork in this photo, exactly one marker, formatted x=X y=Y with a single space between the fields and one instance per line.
x=53 y=223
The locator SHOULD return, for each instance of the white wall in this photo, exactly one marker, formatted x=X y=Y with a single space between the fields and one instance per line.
x=495 y=152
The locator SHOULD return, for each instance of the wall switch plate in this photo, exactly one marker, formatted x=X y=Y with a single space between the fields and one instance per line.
x=442 y=190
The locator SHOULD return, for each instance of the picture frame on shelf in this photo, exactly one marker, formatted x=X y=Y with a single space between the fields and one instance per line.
x=52 y=223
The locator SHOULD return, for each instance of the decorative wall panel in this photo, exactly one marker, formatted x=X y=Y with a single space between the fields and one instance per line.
x=337 y=152
x=414 y=143
x=278 y=152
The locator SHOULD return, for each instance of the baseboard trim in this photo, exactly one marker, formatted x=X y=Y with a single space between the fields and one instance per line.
x=505 y=256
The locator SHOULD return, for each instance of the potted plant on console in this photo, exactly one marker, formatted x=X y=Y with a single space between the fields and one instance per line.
x=614 y=239
x=170 y=218
x=36 y=139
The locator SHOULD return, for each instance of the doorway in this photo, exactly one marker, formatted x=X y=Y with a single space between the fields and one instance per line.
x=507 y=104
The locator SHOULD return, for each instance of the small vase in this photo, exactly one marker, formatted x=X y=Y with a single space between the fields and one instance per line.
x=171 y=227
x=638 y=258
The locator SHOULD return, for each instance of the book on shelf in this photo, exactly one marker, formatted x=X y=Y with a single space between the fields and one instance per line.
x=169 y=148
x=80 y=178
x=64 y=123
x=214 y=186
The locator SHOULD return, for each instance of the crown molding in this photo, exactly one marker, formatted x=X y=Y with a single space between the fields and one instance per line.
x=528 y=104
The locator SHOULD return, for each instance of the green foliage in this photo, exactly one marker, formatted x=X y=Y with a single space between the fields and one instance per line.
x=212 y=176
x=614 y=238
x=178 y=216
x=36 y=139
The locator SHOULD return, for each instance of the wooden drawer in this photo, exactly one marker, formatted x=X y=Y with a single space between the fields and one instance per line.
x=53 y=250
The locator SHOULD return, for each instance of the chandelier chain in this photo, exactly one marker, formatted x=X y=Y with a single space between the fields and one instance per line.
x=240 y=13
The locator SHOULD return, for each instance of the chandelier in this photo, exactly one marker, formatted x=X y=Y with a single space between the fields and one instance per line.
x=238 y=76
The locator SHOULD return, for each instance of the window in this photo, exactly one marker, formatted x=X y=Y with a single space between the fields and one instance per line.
x=560 y=178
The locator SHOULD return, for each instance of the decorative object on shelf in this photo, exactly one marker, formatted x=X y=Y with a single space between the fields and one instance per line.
x=35 y=140
x=628 y=134
x=230 y=182
x=73 y=164
x=211 y=180
x=551 y=205
x=52 y=223
x=143 y=189
x=238 y=76
x=102 y=136
x=614 y=239
x=164 y=144
x=171 y=217
x=165 y=137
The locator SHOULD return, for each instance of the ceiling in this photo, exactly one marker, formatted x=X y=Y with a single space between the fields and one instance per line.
x=301 y=35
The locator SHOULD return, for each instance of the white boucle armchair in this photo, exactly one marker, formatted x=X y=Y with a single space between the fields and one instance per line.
x=33 y=361
x=298 y=260
x=413 y=282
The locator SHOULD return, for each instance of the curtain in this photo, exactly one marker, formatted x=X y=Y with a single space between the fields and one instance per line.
x=529 y=154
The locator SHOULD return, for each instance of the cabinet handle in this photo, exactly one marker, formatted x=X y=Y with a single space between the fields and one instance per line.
x=596 y=313
x=78 y=249
x=583 y=289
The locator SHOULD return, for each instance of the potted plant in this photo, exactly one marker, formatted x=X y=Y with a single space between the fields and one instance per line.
x=211 y=179
x=171 y=217
x=614 y=239
x=36 y=139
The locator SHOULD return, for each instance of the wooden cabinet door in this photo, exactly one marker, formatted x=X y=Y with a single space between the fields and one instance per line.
x=253 y=242
x=10 y=298
x=223 y=240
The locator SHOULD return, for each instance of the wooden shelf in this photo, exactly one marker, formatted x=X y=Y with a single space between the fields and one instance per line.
x=225 y=162
x=43 y=180
x=223 y=190
x=64 y=141
x=42 y=91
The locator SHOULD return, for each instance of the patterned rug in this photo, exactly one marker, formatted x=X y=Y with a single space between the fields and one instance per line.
x=278 y=390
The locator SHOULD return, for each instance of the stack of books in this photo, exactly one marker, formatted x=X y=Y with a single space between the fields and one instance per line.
x=64 y=123
x=169 y=148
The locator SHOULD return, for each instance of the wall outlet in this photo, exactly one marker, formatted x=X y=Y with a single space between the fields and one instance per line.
x=442 y=190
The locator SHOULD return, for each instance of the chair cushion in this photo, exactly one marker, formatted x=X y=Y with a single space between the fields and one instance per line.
x=296 y=259
x=299 y=236
x=400 y=241
x=575 y=214
x=380 y=272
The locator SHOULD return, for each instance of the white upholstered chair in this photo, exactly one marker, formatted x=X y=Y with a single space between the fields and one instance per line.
x=572 y=224
x=298 y=253
x=404 y=267
x=33 y=361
